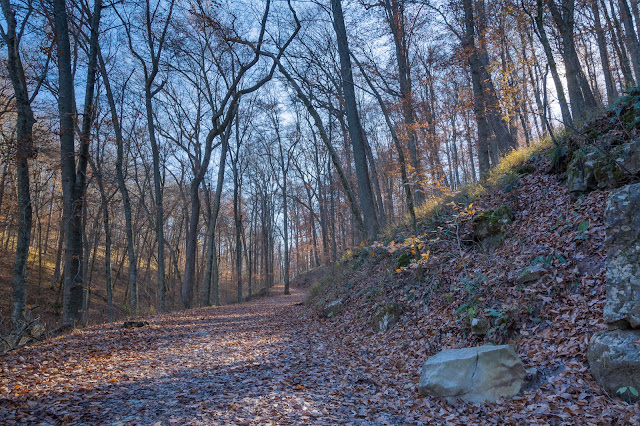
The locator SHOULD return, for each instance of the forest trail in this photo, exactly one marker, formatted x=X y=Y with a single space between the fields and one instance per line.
x=263 y=362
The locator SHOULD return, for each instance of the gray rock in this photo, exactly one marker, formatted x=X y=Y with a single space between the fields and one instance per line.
x=602 y=167
x=37 y=331
x=333 y=308
x=490 y=227
x=385 y=316
x=581 y=171
x=530 y=274
x=627 y=157
x=614 y=359
x=478 y=374
x=480 y=326
x=622 y=220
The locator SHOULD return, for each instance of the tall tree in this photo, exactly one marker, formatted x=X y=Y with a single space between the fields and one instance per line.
x=24 y=151
x=149 y=60
x=580 y=94
x=630 y=35
x=356 y=134
x=74 y=177
x=395 y=15
x=122 y=186
x=541 y=32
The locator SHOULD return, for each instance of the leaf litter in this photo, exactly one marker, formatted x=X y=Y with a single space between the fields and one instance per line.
x=275 y=361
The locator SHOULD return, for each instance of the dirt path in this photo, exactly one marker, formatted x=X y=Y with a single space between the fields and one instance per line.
x=257 y=363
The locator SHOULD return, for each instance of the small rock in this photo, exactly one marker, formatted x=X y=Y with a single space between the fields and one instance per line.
x=614 y=359
x=478 y=374
x=37 y=331
x=490 y=227
x=385 y=316
x=530 y=274
x=480 y=326
x=333 y=308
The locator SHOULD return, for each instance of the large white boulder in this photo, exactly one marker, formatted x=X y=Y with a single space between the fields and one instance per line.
x=478 y=374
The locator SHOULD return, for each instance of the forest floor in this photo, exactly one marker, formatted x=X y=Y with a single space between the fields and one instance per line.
x=269 y=361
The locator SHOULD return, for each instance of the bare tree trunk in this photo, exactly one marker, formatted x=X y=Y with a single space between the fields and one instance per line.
x=24 y=151
x=367 y=203
x=479 y=106
x=211 y=272
x=237 y=221
x=618 y=42
x=73 y=181
x=602 y=49
x=580 y=93
x=631 y=38
x=191 y=242
x=394 y=11
x=327 y=142
x=504 y=139
x=126 y=201
x=542 y=35
x=398 y=145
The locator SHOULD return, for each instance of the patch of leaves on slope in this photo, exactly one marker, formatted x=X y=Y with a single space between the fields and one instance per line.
x=446 y=283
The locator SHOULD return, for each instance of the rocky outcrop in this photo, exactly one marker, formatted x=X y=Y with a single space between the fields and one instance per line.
x=490 y=227
x=614 y=355
x=603 y=167
x=614 y=358
x=478 y=374
x=333 y=308
x=30 y=332
x=386 y=315
x=530 y=274
x=622 y=220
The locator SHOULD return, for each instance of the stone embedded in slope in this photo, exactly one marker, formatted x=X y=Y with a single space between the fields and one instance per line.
x=386 y=315
x=614 y=359
x=585 y=164
x=622 y=220
x=480 y=326
x=333 y=308
x=478 y=374
x=601 y=167
x=530 y=274
x=490 y=227
x=627 y=157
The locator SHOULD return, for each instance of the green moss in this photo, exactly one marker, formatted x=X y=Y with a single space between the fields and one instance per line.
x=524 y=169
x=403 y=260
x=503 y=215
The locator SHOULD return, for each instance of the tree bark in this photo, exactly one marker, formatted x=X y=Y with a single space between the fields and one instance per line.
x=122 y=186
x=24 y=151
x=580 y=94
x=479 y=106
x=542 y=35
x=73 y=181
x=630 y=38
x=367 y=203
x=602 y=49
x=394 y=11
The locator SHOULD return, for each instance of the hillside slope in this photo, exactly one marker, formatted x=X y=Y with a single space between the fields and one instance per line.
x=525 y=258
